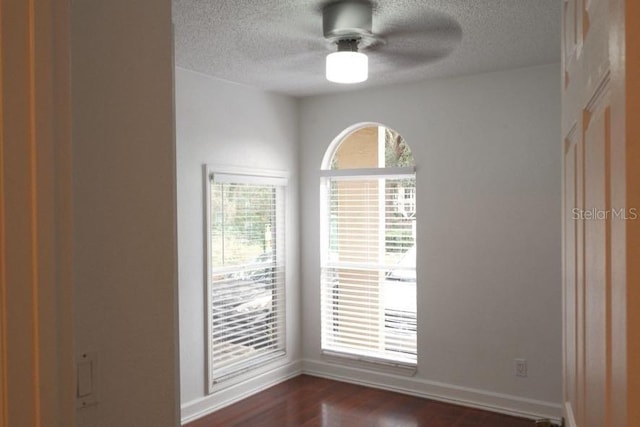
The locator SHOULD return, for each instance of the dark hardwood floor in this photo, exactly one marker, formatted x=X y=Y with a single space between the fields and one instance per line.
x=310 y=401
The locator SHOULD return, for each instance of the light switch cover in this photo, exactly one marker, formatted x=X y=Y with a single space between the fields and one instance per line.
x=86 y=379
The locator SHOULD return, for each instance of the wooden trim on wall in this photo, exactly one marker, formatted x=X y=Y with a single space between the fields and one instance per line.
x=632 y=169
x=36 y=345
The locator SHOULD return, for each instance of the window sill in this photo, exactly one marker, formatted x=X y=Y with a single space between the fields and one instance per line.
x=371 y=363
x=231 y=378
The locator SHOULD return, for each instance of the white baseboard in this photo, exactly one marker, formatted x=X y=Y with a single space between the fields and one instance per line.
x=475 y=398
x=198 y=408
x=569 y=416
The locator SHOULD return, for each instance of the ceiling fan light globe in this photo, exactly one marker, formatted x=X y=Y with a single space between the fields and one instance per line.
x=347 y=67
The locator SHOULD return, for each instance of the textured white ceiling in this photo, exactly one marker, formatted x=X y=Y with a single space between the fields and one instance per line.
x=278 y=45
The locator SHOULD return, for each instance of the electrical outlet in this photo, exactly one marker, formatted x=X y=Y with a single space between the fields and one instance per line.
x=521 y=367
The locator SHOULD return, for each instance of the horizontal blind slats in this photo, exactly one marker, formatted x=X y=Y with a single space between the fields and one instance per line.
x=247 y=284
x=368 y=280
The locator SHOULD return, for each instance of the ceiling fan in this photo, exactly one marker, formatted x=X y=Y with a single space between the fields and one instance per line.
x=348 y=29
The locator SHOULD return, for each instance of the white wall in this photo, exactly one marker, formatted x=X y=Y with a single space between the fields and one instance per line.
x=124 y=243
x=221 y=123
x=486 y=149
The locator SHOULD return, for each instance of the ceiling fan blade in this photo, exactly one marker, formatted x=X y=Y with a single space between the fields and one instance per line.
x=275 y=41
x=416 y=40
x=437 y=29
x=427 y=31
x=390 y=59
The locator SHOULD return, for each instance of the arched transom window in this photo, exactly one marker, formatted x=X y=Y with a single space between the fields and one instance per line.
x=368 y=247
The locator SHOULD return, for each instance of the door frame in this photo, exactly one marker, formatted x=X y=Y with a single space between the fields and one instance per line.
x=37 y=374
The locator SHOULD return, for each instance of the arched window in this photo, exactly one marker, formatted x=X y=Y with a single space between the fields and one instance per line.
x=368 y=253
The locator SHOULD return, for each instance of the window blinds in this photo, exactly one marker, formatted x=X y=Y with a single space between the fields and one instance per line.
x=368 y=276
x=246 y=255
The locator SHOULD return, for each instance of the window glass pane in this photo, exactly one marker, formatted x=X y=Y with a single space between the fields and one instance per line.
x=396 y=151
x=372 y=147
x=358 y=150
x=243 y=223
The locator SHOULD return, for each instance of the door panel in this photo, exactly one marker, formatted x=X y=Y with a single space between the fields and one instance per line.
x=601 y=274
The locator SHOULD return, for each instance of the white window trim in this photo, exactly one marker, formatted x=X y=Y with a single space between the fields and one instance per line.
x=368 y=173
x=387 y=365
x=326 y=174
x=382 y=365
x=228 y=174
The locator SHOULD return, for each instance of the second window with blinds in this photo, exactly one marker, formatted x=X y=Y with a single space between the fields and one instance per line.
x=245 y=271
x=368 y=249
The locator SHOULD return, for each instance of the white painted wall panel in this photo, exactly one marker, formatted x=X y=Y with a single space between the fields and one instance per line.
x=226 y=124
x=488 y=190
x=124 y=214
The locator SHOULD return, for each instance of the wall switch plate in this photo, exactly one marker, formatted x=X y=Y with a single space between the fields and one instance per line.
x=521 y=367
x=86 y=380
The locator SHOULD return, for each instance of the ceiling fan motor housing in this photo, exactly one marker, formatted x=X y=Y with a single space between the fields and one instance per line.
x=347 y=20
